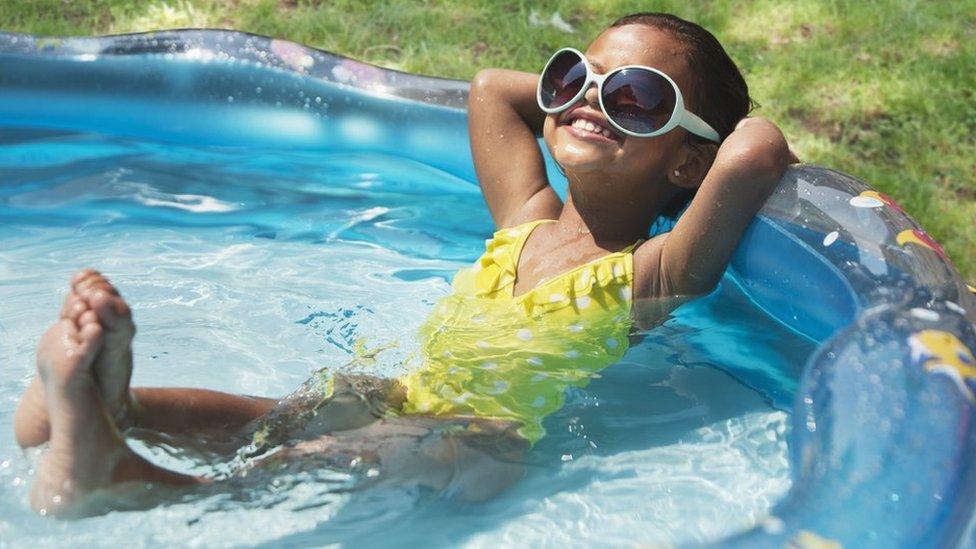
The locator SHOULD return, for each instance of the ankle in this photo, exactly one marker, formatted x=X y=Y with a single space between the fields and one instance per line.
x=126 y=413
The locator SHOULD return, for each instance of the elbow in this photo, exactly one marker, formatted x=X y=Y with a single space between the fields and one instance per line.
x=778 y=159
x=767 y=161
x=483 y=84
x=770 y=157
x=763 y=156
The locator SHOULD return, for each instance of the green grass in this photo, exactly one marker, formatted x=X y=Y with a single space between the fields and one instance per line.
x=883 y=90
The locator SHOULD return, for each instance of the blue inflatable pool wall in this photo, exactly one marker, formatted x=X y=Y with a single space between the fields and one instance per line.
x=883 y=426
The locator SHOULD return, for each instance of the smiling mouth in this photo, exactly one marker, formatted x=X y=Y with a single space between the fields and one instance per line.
x=588 y=124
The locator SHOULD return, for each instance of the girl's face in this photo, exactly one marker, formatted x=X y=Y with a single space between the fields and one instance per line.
x=581 y=152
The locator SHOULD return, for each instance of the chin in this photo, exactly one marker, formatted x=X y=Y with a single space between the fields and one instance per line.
x=580 y=158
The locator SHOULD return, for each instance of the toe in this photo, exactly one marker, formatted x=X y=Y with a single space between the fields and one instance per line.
x=64 y=332
x=73 y=307
x=93 y=282
x=66 y=329
x=88 y=317
x=83 y=275
x=89 y=337
x=66 y=352
x=112 y=310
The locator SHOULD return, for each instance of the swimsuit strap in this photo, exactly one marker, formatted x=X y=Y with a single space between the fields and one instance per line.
x=525 y=230
x=630 y=249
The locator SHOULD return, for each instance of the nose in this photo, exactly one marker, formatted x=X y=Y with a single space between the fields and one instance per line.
x=592 y=96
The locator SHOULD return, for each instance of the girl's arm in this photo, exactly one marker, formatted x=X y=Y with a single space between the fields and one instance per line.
x=503 y=122
x=690 y=259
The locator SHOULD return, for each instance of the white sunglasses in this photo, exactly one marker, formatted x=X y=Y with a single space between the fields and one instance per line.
x=637 y=100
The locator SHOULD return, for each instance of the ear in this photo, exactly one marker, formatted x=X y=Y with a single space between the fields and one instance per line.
x=691 y=164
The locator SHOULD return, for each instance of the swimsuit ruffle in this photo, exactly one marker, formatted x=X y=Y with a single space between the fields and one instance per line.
x=490 y=354
x=604 y=283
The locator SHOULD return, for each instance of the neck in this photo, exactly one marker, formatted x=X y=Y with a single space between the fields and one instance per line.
x=612 y=212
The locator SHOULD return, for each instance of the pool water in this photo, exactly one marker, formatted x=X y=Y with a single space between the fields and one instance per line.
x=248 y=269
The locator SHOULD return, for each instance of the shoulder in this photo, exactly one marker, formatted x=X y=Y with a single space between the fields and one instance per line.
x=544 y=204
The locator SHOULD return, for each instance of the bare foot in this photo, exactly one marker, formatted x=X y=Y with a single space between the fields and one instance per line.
x=84 y=445
x=90 y=293
x=87 y=452
x=113 y=365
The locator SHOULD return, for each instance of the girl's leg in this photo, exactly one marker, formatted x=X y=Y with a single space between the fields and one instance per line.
x=170 y=410
x=470 y=458
x=474 y=458
x=82 y=369
x=87 y=453
x=350 y=402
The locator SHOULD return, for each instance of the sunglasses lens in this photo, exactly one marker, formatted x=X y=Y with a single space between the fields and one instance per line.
x=562 y=79
x=639 y=100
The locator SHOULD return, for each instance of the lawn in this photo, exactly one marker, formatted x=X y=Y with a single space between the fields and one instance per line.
x=883 y=90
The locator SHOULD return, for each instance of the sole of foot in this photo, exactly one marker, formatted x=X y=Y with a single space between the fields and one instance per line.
x=112 y=368
x=84 y=444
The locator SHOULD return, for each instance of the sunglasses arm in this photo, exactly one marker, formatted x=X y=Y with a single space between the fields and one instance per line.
x=697 y=126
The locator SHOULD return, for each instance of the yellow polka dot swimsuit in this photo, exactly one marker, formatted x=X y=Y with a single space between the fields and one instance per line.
x=489 y=353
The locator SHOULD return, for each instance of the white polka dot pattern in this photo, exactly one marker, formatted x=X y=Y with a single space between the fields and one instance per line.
x=482 y=360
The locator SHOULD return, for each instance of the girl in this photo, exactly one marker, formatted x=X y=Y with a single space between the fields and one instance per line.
x=651 y=115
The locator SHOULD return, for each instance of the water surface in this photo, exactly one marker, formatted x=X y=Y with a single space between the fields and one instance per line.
x=247 y=270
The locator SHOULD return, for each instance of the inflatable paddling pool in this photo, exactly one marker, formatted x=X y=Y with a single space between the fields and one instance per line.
x=884 y=420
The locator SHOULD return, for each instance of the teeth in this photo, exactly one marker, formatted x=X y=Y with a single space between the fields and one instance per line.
x=586 y=125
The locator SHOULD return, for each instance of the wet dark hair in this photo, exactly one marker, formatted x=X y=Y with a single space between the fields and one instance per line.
x=720 y=95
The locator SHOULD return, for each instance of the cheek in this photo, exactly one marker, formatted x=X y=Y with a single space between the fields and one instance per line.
x=548 y=132
x=640 y=158
x=652 y=155
x=566 y=151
